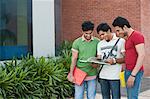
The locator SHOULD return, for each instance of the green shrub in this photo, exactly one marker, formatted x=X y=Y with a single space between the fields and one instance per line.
x=35 y=78
x=65 y=53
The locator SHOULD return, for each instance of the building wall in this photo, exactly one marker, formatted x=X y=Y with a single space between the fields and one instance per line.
x=74 y=12
x=145 y=28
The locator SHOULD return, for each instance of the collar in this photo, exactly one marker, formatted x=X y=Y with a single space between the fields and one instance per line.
x=83 y=38
x=114 y=36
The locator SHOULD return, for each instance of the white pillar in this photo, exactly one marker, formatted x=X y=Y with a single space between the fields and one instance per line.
x=43 y=28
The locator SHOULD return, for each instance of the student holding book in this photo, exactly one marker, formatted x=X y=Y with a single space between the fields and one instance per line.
x=111 y=49
x=84 y=47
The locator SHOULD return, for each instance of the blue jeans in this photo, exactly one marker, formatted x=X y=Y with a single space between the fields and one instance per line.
x=90 y=88
x=133 y=92
x=110 y=85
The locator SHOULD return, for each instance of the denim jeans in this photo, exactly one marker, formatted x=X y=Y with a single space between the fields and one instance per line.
x=133 y=92
x=90 y=87
x=110 y=86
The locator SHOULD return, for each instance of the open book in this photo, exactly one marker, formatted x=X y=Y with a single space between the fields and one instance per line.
x=95 y=60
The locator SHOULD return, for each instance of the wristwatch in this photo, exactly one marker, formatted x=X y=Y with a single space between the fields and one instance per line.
x=133 y=75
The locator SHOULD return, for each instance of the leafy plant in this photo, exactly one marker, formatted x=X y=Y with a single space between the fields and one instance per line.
x=65 y=53
x=32 y=78
x=35 y=78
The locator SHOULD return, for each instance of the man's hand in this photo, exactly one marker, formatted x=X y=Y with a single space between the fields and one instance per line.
x=71 y=78
x=130 y=82
x=123 y=67
x=94 y=65
x=110 y=61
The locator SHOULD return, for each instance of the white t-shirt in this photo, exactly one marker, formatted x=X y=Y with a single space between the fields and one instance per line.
x=111 y=72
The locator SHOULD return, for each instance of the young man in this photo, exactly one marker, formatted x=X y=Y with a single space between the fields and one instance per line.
x=109 y=75
x=83 y=48
x=134 y=56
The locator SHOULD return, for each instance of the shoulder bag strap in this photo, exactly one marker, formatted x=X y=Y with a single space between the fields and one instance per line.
x=108 y=56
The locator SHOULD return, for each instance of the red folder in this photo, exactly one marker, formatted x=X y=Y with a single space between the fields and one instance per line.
x=79 y=76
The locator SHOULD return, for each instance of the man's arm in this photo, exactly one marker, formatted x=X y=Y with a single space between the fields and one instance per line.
x=73 y=64
x=140 y=48
x=141 y=54
x=99 y=57
x=120 y=60
x=114 y=61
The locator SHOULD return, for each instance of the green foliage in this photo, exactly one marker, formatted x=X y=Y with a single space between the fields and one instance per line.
x=33 y=78
x=65 y=53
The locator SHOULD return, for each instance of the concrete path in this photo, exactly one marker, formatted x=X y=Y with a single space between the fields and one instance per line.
x=144 y=94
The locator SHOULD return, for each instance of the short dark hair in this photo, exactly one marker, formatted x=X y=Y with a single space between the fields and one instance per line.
x=103 y=27
x=121 y=22
x=87 y=25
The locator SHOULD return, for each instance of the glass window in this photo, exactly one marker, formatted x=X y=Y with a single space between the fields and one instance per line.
x=15 y=28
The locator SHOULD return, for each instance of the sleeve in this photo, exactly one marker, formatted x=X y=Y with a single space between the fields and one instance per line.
x=75 y=46
x=99 y=49
x=138 y=39
x=122 y=45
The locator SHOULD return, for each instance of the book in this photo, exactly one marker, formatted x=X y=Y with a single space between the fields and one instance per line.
x=95 y=60
x=79 y=76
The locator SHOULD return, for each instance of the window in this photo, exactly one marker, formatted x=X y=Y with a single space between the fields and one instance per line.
x=15 y=28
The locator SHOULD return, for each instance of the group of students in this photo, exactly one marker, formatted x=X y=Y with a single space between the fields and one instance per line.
x=124 y=46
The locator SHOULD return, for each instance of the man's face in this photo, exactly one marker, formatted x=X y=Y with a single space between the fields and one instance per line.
x=120 y=32
x=88 y=34
x=101 y=35
x=105 y=35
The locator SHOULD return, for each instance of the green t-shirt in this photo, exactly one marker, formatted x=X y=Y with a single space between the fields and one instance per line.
x=85 y=50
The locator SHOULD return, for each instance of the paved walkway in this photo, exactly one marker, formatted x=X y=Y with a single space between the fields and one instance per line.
x=144 y=94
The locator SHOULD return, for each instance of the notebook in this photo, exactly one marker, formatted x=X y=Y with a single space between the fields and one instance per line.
x=79 y=76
